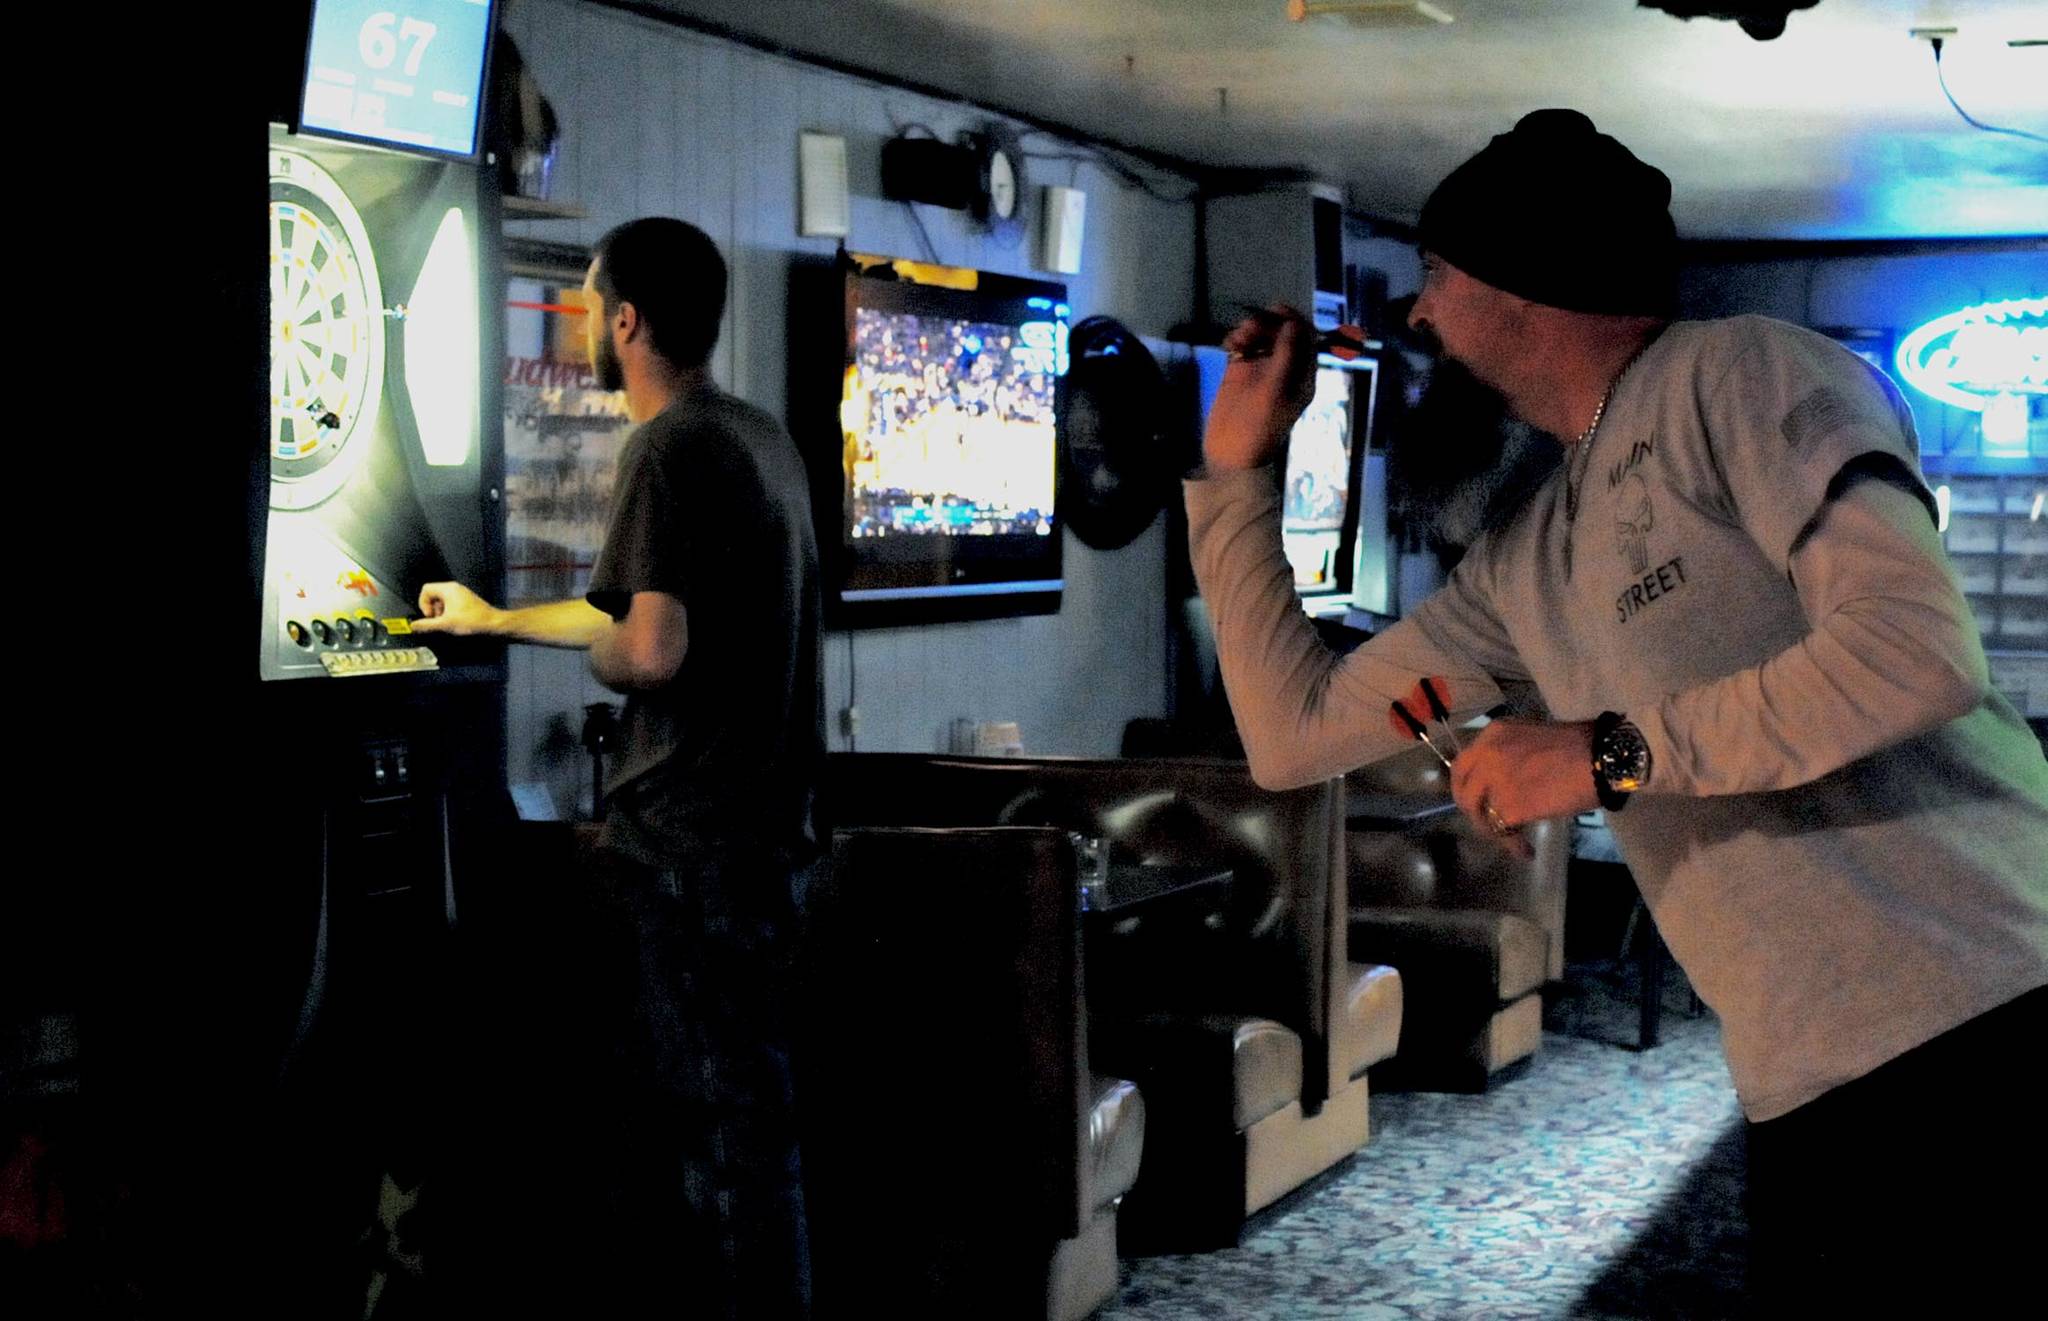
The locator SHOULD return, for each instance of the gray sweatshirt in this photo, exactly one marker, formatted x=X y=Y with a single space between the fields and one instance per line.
x=1844 y=839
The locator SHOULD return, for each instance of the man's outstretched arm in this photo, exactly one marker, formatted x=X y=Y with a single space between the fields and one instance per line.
x=455 y=610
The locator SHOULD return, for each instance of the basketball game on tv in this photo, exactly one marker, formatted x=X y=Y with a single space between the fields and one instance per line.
x=946 y=455
x=949 y=426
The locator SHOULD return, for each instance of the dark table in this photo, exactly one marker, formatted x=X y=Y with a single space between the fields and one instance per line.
x=1131 y=890
x=1150 y=930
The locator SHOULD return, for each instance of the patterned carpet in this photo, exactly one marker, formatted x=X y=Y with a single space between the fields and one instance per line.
x=1602 y=1183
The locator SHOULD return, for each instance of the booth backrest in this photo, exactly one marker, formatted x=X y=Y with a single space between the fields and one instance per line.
x=1282 y=950
x=944 y=1033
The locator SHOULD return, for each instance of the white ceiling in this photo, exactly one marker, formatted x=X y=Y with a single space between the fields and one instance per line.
x=1837 y=129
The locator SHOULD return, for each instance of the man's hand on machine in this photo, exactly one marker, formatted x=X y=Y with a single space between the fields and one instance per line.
x=1518 y=771
x=453 y=609
x=1270 y=380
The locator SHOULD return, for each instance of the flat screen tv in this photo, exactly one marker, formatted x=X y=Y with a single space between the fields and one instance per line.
x=1323 y=481
x=947 y=445
x=410 y=76
x=1333 y=501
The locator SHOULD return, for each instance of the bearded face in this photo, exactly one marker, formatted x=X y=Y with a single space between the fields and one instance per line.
x=604 y=359
x=1458 y=464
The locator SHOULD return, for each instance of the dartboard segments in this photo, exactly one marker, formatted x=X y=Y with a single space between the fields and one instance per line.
x=326 y=332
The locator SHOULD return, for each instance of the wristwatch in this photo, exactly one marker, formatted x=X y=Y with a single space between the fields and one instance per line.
x=1621 y=760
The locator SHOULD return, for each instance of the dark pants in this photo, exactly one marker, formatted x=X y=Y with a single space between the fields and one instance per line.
x=1916 y=1187
x=709 y=1186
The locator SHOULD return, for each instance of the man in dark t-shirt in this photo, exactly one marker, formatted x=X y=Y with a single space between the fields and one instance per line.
x=712 y=510
x=703 y=610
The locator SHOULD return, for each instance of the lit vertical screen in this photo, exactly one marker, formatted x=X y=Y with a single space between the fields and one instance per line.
x=441 y=347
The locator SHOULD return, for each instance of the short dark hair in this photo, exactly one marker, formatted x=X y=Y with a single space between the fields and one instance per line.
x=671 y=273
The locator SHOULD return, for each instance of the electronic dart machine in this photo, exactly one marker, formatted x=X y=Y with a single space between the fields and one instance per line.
x=384 y=294
x=384 y=450
x=384 y=472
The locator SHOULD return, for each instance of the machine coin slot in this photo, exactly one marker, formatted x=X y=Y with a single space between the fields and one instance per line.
x=387 y=778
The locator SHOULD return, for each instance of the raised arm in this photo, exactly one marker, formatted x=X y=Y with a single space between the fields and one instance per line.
x=1303 y=712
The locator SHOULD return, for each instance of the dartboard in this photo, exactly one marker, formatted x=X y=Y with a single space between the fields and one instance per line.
x=326 y=332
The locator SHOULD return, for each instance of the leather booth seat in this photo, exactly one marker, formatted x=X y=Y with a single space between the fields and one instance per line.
x=960 y=1156
x=1250 y=1039
x=1475 y=931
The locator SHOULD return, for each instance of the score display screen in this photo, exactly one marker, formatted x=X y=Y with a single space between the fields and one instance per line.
x=411 y=74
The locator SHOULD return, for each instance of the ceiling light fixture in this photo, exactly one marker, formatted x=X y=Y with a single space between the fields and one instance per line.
x=1370 y=13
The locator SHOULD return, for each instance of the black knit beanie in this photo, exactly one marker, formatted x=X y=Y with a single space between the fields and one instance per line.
x=1557 y=212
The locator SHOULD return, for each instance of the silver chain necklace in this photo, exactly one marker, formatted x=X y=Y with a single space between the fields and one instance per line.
x=1582 y=448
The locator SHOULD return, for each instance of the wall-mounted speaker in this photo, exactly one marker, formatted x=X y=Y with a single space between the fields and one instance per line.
x=821 y=186
x=1064 y=211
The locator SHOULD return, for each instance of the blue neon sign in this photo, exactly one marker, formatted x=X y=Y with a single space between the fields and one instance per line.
x=1976 y=355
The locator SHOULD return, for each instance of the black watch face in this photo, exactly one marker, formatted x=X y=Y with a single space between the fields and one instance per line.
x=1624 y=758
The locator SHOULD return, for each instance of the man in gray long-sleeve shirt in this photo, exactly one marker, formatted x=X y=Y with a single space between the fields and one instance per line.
x=1729 y=613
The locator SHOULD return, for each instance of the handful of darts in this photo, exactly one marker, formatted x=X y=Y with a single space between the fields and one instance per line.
x=1432 y=694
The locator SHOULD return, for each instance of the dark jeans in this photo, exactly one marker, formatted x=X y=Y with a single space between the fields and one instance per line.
x=709 y=1188
x=1915 y=1187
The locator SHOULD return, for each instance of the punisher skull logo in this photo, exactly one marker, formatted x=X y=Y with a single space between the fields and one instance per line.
x=1632 y=522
